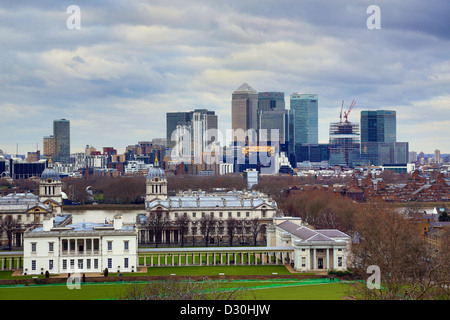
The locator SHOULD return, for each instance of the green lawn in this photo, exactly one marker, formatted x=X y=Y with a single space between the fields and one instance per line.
x=261 y=290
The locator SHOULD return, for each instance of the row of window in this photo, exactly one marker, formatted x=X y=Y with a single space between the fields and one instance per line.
x=66 y=244
x=221 y=215
x=90 y=264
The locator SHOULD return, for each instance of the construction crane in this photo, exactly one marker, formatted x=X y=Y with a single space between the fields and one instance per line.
x=340 y=115
x=349 y=109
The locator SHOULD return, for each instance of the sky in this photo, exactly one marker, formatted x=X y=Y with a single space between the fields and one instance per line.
x=130 y=62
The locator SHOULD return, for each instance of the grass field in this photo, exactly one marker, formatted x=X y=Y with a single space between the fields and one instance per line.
x=276 y=289
x=260 y=290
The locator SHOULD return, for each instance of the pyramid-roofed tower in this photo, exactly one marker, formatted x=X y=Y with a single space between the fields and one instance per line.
x=245 y=87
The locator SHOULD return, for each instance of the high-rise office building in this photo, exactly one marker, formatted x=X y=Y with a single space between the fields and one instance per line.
x=174 y=119
x=49 y=147
x=61 y=134
x=378 y=126
x=191 y=132
x=273 y=119
x=244 y=111
x=304 y=109
x=379 y=144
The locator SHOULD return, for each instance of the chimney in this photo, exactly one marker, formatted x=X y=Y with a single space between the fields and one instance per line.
x=47 y=224
x=118 y=222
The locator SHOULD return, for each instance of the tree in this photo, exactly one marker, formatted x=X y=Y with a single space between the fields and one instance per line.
x=9 y=225
x=182 y=222
x=407 y=267
x=158 y=221
x=255 y=229
x=207 y=227
x=231 y=229
x=180 y=290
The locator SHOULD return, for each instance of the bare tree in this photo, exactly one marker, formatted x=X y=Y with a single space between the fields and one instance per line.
x=255 y=229
x=180 y=290
x=207 y=227
x=231 y=229
x=9 y=225
x=158 y=222
x=409 y=270
x=182 y=222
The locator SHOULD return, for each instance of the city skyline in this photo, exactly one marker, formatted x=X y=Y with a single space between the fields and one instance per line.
x=117 y=76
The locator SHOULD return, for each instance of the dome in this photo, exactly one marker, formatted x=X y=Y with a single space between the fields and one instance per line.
x=156 y=173
x=50 y=173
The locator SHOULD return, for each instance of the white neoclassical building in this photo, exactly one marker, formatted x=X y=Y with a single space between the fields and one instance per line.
x=80 y=248
x=314 y=249
x=243 y=206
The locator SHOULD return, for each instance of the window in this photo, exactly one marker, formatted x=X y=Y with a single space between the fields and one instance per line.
x=185 y=214
x=193 y=214
x=64 y=264
x=339 y=261
x=72 y=264
x=19 y=218
x=50 y=265
x=247 y=214
x=95 y=263
x=33 y=247
x=303 y=262
x=109 y=263
x=176 y=214
x=238 y=214
x=33 y=264
x=88 y=263
x=220 y=214
x=125 y=262
x=109 y=245
x=126 y=245
x=229 y=214
x=80 y=264
x=203 y=214
x=50 y=246
x=212 y=214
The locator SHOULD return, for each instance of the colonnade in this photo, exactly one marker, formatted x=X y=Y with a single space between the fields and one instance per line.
x=213 y=256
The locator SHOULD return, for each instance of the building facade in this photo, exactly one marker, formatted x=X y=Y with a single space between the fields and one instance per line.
x=80 y=248
x=61 y=134
x=244 y=110
x=305 y=110
x=314 y=250
x=246 y=207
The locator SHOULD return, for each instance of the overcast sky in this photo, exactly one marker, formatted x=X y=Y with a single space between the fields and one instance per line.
x=132 y=61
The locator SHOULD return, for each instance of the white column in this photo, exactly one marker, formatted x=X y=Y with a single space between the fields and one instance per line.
x=328 y=259
x=334 y=258
x=314 y=258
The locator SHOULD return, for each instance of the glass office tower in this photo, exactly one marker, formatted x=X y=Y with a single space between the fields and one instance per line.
x=61 y=134
x=305 y=108
x=378 y=127
x=305 y=111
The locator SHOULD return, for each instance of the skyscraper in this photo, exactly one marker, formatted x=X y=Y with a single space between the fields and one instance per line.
x=244 y=110
x=61 y=134
x=305 y=112
x=272 y=115
x=378 y=126
x=191 y=131
x=379 y=144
